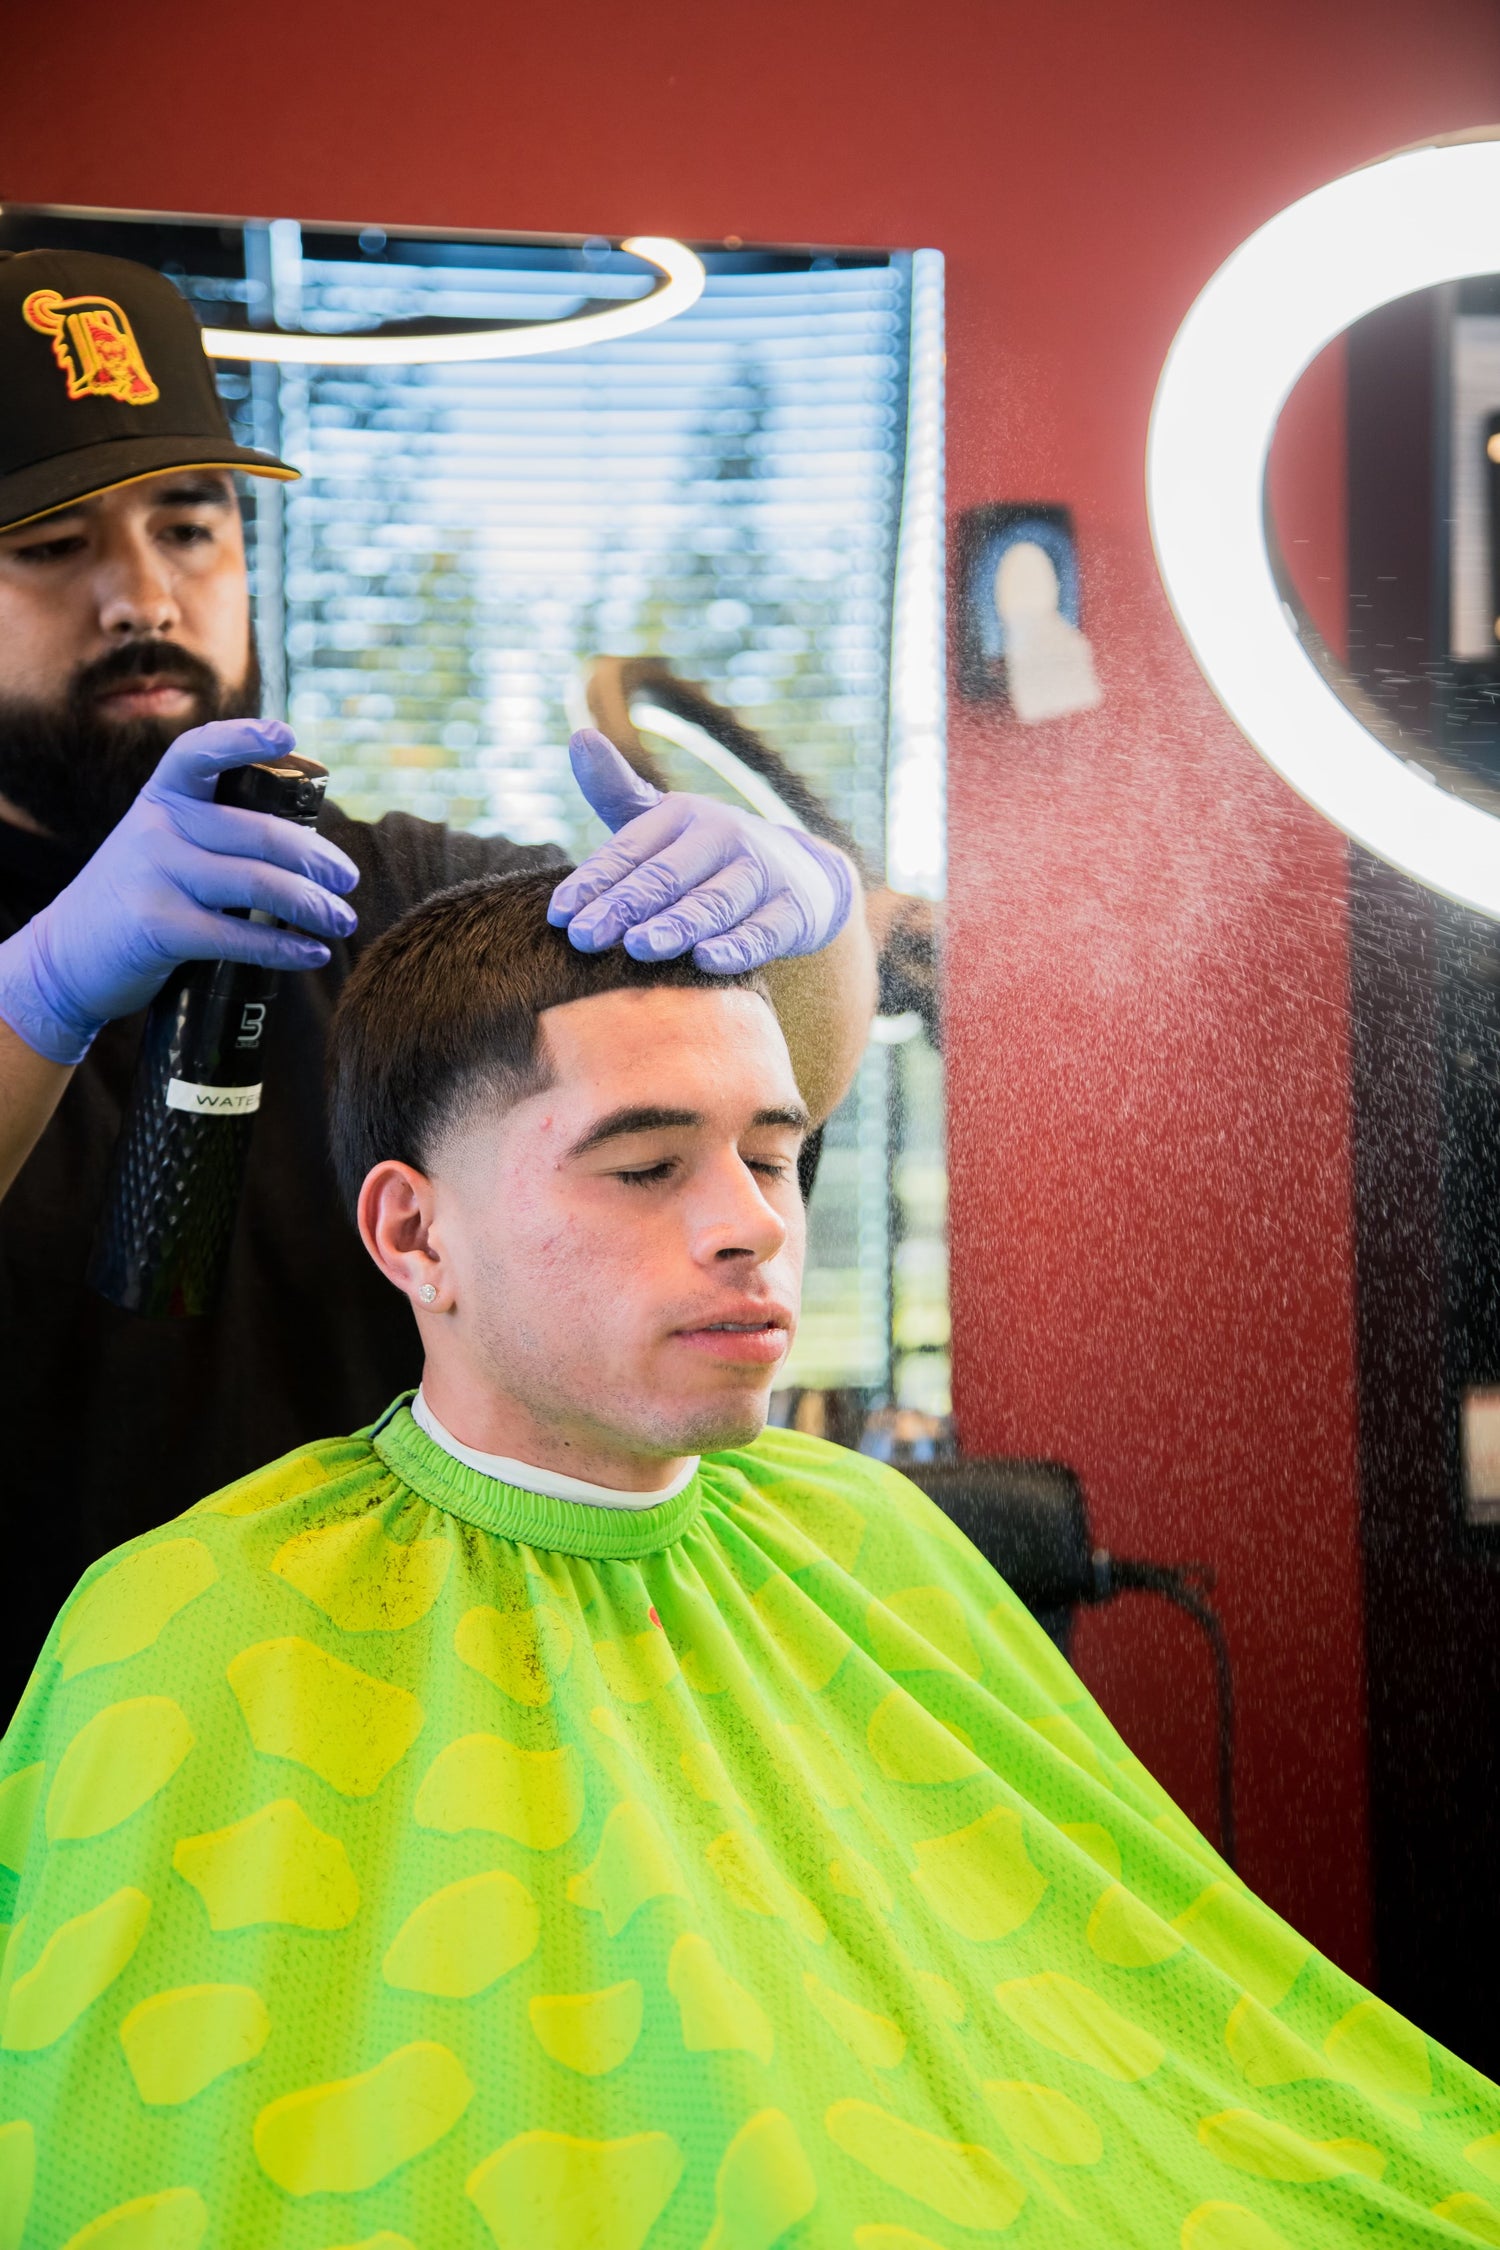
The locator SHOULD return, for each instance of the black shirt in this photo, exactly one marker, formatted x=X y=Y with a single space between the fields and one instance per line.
x=113 y=1422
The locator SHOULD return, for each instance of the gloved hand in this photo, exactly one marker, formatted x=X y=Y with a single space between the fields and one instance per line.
x=151 y=897
x=688 y=872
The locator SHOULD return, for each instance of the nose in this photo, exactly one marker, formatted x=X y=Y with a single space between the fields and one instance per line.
x=135 y=588
x=734 y=1222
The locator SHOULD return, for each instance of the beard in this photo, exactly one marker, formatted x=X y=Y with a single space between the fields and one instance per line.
x=76 y=772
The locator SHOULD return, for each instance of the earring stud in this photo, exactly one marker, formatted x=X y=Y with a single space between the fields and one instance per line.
x=427 y=1293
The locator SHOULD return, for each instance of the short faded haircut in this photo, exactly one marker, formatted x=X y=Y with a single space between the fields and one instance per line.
x=441 y=1016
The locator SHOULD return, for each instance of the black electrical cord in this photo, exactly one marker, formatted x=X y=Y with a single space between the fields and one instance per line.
x=1188 y=1587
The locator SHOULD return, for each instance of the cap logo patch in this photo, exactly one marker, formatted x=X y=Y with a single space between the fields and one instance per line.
x=94 y=345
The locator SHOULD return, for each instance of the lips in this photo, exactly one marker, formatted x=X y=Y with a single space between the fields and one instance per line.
x=149 y=692
x=746 y=1336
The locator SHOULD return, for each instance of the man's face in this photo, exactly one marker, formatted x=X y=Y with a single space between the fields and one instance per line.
x=624 y=1250
x=123 y=621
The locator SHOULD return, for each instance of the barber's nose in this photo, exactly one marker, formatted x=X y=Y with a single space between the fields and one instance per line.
x=136 y=596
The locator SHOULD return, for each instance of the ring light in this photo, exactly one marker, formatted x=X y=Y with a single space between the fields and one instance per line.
x=1410 y=221
x=650 y=718
x=681 y=285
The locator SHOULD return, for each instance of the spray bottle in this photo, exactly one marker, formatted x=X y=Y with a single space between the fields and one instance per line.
x=179 y=1164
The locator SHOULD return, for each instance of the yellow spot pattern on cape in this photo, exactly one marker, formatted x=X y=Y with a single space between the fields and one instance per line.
x=338 y=2138
x=129 y=1607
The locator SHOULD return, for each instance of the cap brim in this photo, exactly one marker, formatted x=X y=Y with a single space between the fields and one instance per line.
x=43 y=487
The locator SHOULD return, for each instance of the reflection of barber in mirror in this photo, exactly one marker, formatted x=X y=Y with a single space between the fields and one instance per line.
x=570 y=1813
x=124 y=626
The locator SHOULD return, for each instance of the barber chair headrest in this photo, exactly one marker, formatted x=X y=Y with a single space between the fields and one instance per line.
x=1027 y=1518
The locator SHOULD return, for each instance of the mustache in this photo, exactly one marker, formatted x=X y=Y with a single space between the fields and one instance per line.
x=144 y=659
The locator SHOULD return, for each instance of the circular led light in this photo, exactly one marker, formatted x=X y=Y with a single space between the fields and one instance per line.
x=650 y=718
x=681 y=285
x=1415 y=219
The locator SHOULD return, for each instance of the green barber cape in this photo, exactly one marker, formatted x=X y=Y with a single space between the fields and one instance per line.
x=396 y=1858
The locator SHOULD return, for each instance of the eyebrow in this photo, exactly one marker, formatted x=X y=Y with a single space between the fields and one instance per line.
x=196 y=492
x=646 y=1119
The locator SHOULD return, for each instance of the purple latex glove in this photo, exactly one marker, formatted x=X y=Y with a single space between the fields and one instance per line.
x=688 y=872
x=153 y=894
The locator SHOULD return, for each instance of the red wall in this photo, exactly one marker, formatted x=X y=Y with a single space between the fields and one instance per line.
x=1151 y=1243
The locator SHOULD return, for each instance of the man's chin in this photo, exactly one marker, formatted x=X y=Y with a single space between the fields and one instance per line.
x=128 y=752
x=719 y=1427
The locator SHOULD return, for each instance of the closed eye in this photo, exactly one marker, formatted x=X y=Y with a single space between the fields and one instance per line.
x=651 y=1176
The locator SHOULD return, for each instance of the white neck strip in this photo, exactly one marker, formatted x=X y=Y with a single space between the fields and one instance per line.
x=527 y=1479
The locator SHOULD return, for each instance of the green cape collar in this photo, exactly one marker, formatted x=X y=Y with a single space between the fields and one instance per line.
x=571 y=1527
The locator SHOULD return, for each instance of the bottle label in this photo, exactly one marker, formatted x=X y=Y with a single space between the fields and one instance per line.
x=212 y=1101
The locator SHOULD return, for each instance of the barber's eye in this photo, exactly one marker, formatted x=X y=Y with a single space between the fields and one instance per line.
x=50 y=550
x=651 y=1176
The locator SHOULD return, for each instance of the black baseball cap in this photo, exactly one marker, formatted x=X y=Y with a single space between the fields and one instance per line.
x=103 y=380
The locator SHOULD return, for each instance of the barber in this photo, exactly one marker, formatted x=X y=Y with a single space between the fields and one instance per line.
x=128 y=683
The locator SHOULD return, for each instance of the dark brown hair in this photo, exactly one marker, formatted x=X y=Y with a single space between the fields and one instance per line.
x=442 y=1011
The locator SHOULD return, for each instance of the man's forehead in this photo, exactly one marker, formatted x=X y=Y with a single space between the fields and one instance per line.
x=670 y=1047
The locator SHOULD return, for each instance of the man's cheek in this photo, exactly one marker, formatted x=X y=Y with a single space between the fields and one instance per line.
x=38 y=651
x=557 y=1259
x=591 y=1249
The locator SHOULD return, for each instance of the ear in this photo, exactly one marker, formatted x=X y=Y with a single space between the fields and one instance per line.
x=395 y=1214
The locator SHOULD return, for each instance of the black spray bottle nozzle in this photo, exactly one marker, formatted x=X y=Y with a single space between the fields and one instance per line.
x=291 y=787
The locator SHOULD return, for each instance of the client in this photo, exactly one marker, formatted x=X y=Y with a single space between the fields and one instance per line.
x=570 y=1816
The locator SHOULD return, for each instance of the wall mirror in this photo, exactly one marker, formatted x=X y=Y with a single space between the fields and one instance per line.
x=751 y=494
